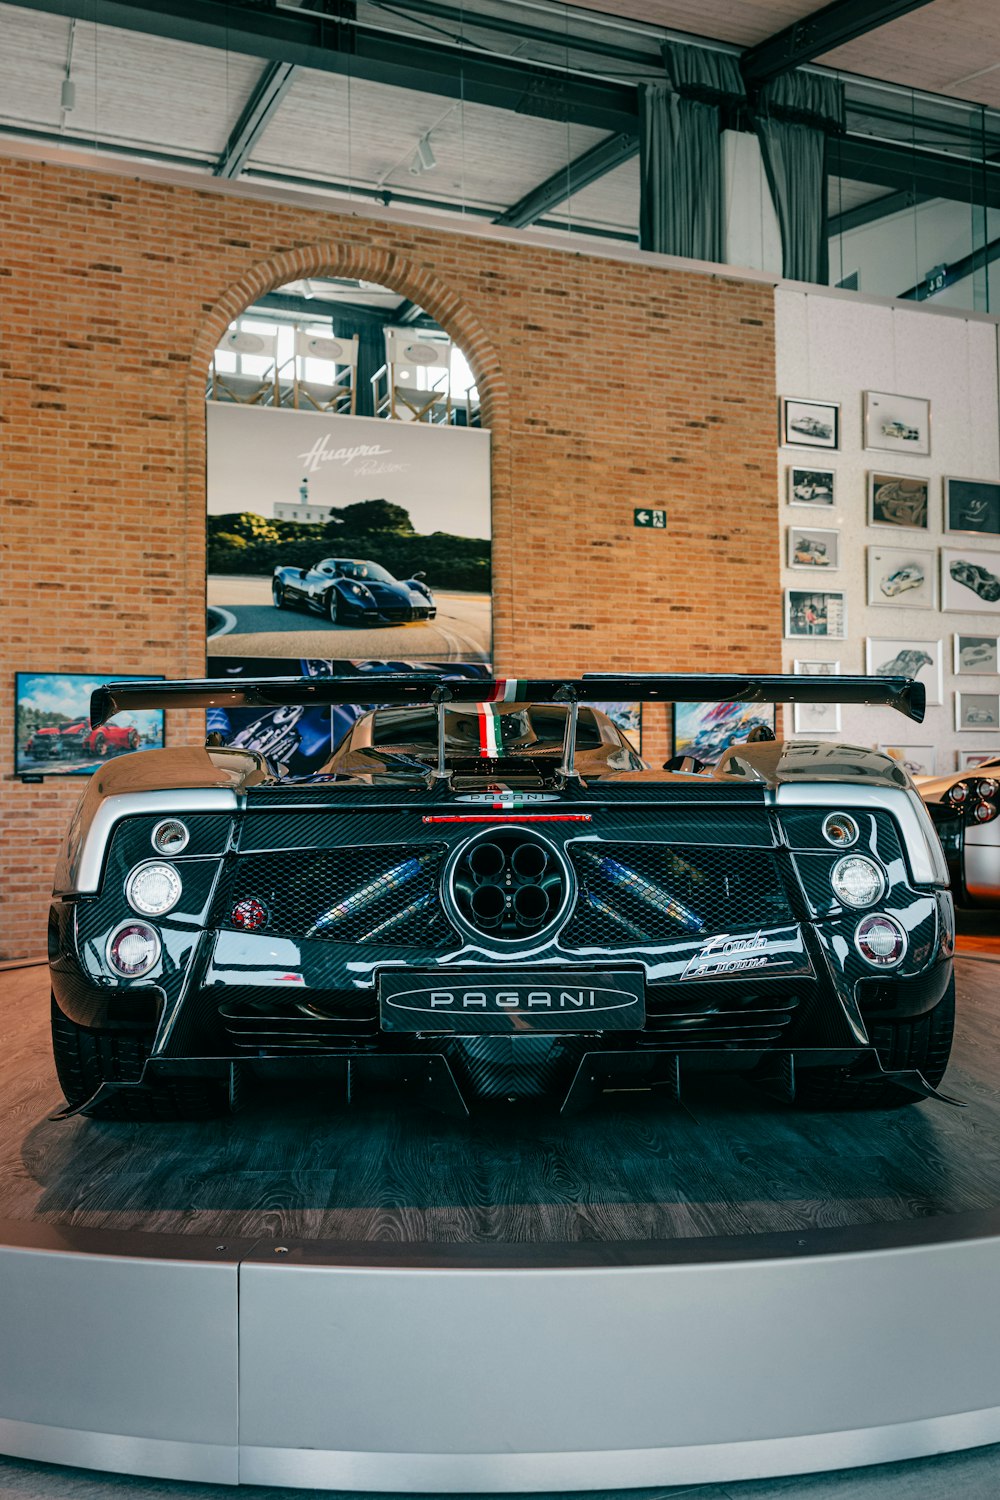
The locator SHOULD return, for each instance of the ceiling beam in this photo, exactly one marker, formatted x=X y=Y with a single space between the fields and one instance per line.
x=329 y=44
x=815 y=35
x=870 y=213
x=958 y=270
x=267 y=94
x=900 y=168
x=318 y=309
x=572 y=178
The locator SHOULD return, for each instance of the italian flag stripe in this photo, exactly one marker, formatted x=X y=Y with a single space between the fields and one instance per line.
x=489 y=731
x=508 y=689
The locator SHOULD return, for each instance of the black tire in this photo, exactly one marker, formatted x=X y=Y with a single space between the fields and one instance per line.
x=100 y=745
x=85 y=1059
x=333 y=607
x=923 y=1043
x=277 y=594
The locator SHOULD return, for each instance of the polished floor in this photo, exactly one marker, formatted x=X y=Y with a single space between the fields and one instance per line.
x=974 y=1475
x=297 y=1163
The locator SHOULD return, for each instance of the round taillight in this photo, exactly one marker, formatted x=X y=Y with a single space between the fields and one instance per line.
x=958 y=793
x=153 y=888
x=171 y=836
x=988 y=787
x=857 y=881
x=133 y=949
x=840 y=830
x=249 y=915
x=881 y=941
x=984 y=812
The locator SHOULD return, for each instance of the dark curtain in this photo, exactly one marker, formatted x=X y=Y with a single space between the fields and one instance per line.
x=371 y=355
x=680 y=202
x=795 y=115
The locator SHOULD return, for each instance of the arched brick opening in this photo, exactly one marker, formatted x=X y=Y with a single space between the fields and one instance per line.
x=427 y=290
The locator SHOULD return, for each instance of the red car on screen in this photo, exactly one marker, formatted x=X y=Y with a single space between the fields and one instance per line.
x=80 y=741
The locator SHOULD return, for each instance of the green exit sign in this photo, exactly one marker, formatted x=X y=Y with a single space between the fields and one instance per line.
x=647 y=517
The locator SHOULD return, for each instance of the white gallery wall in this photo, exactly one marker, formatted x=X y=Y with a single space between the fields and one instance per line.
x=832 y=347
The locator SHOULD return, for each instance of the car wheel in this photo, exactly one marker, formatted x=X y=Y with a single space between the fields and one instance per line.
x=133 y=740
x=100 y=745
x=333 y=607
x=85 y=1059
x=278 y=595
x=923 y=1043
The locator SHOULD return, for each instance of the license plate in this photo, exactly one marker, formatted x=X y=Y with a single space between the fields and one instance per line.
x=475 y=1002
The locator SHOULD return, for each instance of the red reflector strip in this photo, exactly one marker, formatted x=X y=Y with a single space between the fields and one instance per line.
x=507 y=818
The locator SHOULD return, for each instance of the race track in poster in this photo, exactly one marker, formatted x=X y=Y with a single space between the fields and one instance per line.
x=243 y=621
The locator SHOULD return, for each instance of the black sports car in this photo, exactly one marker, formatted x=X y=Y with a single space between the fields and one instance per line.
x=980 y=580
x=485 y=893
x=349 y=591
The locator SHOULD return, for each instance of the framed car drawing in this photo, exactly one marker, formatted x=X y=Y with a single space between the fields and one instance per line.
x=813 y=613
x=972 y=505
x=918 y=760
x=898 y=500
x=816 y=668
x=816 y=718
x=809 y=424
x=896 y=424
x=811 y=486
x=976 y=655
x=970 y=580
x=979 y=711
x=922 y=660
x=968 y=760
x=813 y=547
x=901 y=577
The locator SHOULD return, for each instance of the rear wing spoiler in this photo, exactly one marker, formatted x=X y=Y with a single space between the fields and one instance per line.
x=902 y=693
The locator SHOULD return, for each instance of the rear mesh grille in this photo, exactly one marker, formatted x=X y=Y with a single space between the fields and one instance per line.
x=380 y=894
x=656 y=893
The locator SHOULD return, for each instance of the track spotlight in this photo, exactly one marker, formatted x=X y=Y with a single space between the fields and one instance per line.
x=424 y=159
x=308 y=290
x=67 y=97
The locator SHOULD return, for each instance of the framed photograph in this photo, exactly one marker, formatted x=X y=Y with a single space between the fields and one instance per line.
x=816 y=718
x=706 y=729
x=976 y=655
x=902 y=577
x=897 y=424
x=53 y=732
x=809 y=424
x=919 y=760
x=811 y=547
x=889 y=657
x=970 y=580
x=898 y=500
x=977 y=711
x=809 y=613
x=811 y=486
x=968 y=760
x=628 y=718
x=972 y=505
x=816 y=668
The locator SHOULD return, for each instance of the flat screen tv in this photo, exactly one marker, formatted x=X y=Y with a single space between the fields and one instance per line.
x=53 y=733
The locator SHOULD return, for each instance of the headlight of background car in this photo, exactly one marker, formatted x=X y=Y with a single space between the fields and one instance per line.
x=857 y=880
x=153 y=888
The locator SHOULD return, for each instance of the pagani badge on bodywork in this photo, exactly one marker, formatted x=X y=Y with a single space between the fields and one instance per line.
x=965 y=807
x=486 y=893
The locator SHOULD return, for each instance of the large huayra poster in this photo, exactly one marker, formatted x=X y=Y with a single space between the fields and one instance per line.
x=346 y=537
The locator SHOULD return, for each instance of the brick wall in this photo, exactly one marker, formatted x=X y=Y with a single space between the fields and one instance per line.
x=607 y=385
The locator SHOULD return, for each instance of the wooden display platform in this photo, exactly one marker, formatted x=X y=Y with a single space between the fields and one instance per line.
x=296 y=1164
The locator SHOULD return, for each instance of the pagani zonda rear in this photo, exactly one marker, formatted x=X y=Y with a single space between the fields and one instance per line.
x=485 y=893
